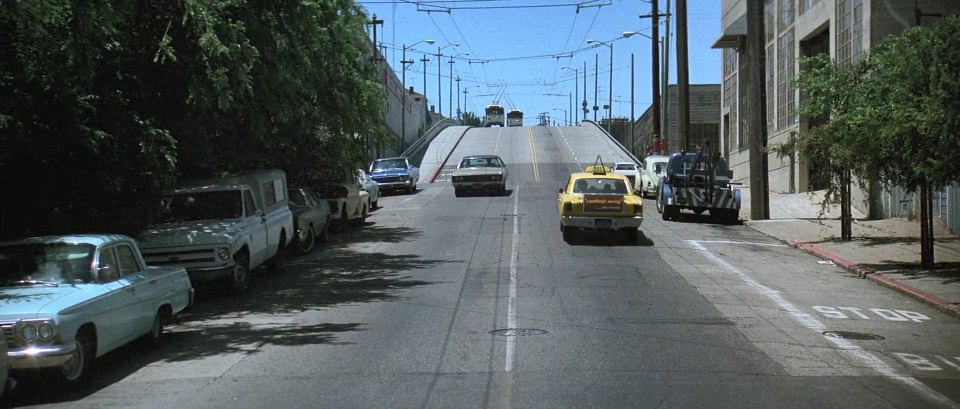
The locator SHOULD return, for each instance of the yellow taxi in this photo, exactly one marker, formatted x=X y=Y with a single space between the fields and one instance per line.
x=599 y=199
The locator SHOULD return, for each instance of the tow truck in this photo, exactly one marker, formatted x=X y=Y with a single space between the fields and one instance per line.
x=698 y=181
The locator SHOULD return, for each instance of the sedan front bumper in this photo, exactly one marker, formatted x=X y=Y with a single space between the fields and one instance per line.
x=48 y=356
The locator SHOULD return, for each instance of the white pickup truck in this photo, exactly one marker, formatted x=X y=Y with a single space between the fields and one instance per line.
x=223 y=228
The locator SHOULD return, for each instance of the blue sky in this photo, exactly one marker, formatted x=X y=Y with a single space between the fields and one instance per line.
x=513 y=51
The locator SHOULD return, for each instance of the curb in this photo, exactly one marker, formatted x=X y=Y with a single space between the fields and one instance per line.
x=863 y=272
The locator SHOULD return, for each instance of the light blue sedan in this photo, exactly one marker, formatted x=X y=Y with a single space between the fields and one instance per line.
x=66 y=300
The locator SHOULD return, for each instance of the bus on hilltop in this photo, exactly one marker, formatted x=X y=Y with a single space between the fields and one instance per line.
x=515 y=117
x=494 y=115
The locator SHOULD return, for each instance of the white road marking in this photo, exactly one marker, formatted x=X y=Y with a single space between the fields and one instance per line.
x=572 y=153
x=512 y=300
x=868 y=359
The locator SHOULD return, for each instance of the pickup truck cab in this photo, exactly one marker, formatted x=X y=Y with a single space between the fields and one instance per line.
x=223 y=228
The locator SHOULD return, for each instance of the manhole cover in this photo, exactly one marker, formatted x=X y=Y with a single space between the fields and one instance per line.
x=518 y=332
x=853 y=335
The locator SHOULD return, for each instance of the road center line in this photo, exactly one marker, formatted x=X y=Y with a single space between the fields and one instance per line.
x=868 y=359
x=512 y=300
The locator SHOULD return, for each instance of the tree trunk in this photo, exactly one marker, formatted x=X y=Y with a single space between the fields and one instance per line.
x=926 y=226
x=846 y=217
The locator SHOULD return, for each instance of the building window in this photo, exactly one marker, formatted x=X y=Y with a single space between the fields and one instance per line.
x=849 y=31
x=807 y=5
x=786 y=15
x=730 y=60
x=769 y=20
x=771 y=92
x=786 y=100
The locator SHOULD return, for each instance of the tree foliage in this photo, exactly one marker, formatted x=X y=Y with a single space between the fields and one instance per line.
x=107 y=103
x=471 y=119
x=893 y=116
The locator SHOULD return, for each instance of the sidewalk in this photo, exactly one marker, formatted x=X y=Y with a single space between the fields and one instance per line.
x=885 y=251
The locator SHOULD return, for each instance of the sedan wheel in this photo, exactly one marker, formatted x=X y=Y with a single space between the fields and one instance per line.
x=305 y=240
x=76 y=368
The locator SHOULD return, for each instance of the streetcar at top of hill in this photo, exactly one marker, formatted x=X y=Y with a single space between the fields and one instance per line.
x=515 y=117
x=494 y=115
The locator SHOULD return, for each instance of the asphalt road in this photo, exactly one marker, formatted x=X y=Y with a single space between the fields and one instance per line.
x=476 y=302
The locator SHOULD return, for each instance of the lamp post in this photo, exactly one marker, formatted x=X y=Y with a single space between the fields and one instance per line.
x=609 y=44
x=659 y=84
x=403 y=93
x=576 y=86
x=565 y=119
x=439 y=89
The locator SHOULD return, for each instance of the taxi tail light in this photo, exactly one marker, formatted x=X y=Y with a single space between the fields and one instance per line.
x=637 y=208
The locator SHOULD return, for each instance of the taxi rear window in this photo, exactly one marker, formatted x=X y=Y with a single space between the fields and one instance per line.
x=600 y=186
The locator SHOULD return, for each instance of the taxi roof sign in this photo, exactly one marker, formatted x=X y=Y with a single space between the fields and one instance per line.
x=598 y=167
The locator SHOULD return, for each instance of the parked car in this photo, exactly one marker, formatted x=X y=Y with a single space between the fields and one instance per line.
x=311 y=218
x=349 y=204
x=628 y=169
x=6 y=381
x=66 y=300
x=221 y=229
x=654 y=168
x=480 y=173
x=370 y=186
x=395 y=174
x=599 y=200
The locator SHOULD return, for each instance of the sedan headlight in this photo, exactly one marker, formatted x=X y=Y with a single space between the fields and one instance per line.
x=40 y=330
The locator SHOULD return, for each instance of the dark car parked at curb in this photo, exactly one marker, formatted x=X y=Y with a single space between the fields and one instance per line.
x=311 y=218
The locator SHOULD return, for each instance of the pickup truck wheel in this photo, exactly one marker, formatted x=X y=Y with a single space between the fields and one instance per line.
x=77 y=367
x=305 y=240
x=240 y=276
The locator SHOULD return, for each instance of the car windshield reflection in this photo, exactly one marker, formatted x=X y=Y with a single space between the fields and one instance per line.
x=202 y=206
x=45 y=264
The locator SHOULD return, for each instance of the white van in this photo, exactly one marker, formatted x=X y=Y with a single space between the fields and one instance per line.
x=223 y=228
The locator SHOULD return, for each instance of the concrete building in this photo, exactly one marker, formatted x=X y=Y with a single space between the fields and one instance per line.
x=704 y=127
x=793 y=28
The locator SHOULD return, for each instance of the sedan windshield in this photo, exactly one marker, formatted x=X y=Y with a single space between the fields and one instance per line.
x=202 y=206
x=389 y=164
x=45 y=264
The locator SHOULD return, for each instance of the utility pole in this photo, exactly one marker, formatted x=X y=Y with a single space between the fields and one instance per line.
x=596 y=84
x=458 y=97
x=632 y=141
x=757 y=118
x=375 y=22
x=424 y=60
x=439 y=90
x=683 y=74
x=450 y=92
x=585 y=110
x=403 y=100
x=655 y=71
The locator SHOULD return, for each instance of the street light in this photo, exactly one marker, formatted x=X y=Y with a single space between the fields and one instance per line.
x=439 y=89
x=565 y=119
x=576 y=86
x=403 y=95
x=625 y=34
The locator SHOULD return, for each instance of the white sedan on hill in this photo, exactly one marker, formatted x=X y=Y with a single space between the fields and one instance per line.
x=630 y=170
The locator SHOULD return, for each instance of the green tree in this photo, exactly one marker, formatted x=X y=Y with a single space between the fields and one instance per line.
x=893 y=117
x=471 y=119
x=106 y=103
